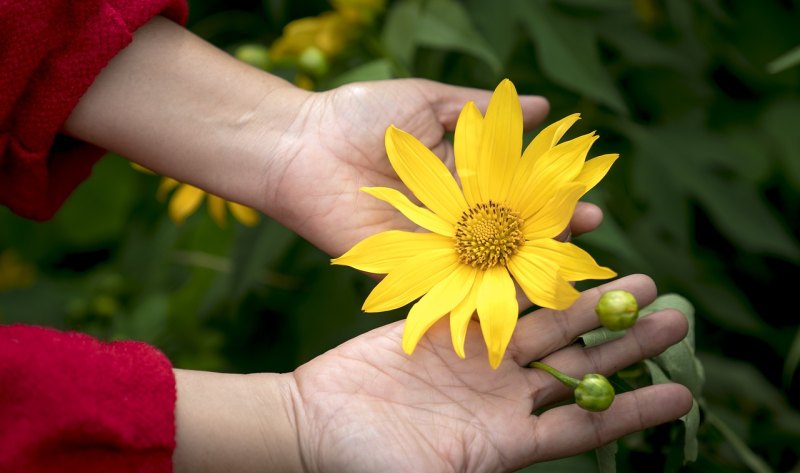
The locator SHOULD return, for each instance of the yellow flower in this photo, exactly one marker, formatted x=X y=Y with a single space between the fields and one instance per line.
x=359 y=11
x=328 y=33
x=15 y=273
x=500 y=223
x=188 y=198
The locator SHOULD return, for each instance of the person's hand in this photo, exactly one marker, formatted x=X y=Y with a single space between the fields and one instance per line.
x=340 y=148
x=365 y=406
x=175 y=104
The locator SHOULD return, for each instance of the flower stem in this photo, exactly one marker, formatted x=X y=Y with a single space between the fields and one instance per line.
x=567 y=380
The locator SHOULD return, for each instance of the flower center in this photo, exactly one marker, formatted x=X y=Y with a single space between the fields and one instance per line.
x=487 y=235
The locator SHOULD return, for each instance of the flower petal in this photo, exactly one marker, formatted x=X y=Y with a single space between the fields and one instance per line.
x=461 y=315
x=166 y=185
x=467 y=143
x=540 y=280
x=501 y=143
x=411 y=279
x=216 y=208
x=543 y=142
x=425 y=175
x=556 y=214
x=244 y=214
x=383 y=252
x=419 y=215
x=549 y=137
x=436 y=303
x=498 y=311
x=574 y=263
x=595 y=170
x=185 y=201
x=557 y=167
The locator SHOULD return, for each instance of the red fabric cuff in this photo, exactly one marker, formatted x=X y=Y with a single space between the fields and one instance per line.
x=73 y=404
x=50 y=53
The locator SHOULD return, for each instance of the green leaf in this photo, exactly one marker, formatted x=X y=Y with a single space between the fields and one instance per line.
x=568 y=53
x=494 y=24
x=610 y=236
x=785 y=61
x=445 y=24
x=676 y=302
x=255 y=250
x=753 y=461
x=691 y=420
x=607 y=457
x=147 y=321
x=397 y=39
x=599 y=336
x=98 y=210
x=780 y=124
x=727 y=306
x=742 y=213
x=379 y=69
x=743 y=385
x=582 y=463
x=737 y=209
x=679 y=360
x=792 y=360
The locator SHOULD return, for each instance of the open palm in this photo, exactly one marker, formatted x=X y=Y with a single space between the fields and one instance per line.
x=342 y=133
x=366 y=406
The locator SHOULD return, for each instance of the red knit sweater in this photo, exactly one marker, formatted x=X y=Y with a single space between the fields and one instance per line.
x=69 y=403
x=50 y=52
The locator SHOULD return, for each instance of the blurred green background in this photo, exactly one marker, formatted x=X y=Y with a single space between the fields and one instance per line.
x=701 y=98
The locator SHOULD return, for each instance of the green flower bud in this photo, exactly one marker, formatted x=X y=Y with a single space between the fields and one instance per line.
x=313 y=61
x=617 y=310
x=254 y=54
x=594 y=393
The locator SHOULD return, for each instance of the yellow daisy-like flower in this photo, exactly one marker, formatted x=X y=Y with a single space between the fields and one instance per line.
x=188 y=198
x=500 y=224
x=329 y=32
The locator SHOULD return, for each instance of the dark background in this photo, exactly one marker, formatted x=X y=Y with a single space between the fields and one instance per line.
x=704 y=199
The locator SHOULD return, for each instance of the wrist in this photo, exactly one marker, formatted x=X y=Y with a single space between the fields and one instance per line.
x=235 y=423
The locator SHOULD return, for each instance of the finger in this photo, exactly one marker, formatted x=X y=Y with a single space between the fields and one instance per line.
x=544 y=331
x=569 y=430
x=448 y=100
x=649 y=337
x=586 y=218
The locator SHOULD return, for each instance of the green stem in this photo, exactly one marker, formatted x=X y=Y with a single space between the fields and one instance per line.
x=567 y=380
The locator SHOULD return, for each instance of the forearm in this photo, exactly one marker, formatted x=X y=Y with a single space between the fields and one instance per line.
x=235 y=423
x=175 y=104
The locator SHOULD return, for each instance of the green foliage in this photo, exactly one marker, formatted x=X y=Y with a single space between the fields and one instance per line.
x=701 y=99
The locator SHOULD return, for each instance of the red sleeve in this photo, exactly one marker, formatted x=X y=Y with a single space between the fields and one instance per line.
x=70 y=403
x=50 y=52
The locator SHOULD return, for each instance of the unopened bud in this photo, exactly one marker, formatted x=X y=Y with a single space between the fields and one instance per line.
x=594 y=393
x=617 y=310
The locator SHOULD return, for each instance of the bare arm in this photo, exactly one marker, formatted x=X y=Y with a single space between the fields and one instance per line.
x=176 y=104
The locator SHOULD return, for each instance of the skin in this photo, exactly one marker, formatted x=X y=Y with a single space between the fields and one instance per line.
x=177 y=105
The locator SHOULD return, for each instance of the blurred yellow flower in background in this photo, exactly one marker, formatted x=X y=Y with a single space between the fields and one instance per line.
x=15 y=273
x=187 y=198
x=328 y=33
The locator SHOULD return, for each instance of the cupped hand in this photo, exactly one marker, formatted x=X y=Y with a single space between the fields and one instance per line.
x=340 y=136
x=366 y=406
